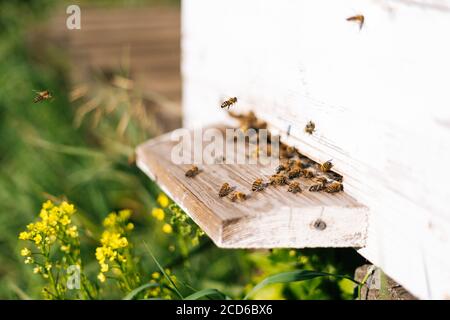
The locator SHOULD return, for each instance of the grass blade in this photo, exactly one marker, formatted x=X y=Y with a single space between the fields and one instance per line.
x=134 y=292
x=163 y=272
x=208 y=293
x=293 y=276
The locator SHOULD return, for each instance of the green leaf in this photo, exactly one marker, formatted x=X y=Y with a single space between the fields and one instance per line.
x=208 y=293
x=293 y=276
x=134 y=292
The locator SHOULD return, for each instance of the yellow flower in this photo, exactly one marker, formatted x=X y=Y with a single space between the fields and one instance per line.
x=64 y=220
x=65 y=248
x=158 y=213
x=37 y=239
x=130 y=226
x=25 y=252
x=48 y=266
x=72 y=232
x=37 y=269
x=24 y=235
x=29 y=260
x=47 y=205
x=167 y=228
x=101 y=277
x=292 y=253
x=104 y=267
x=156 y=275
x=110 y=220
x=68 y=208
x=162 y=200
x=124 y=214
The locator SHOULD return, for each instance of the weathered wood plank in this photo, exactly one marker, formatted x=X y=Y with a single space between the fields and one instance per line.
x=267 y=219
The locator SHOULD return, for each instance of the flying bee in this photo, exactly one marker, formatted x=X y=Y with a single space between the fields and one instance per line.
x=294 y=173
x=326 y=166
x=192 y=172
x=358 y=18
x=258 y=185
x=294 y=187
x=278 y=180
x=310 y=127
x=334 y=187
x=309 y=173
x=225 y=190
x=228 y=103
x=42 y=95
x=237 y=195
x=316 y=187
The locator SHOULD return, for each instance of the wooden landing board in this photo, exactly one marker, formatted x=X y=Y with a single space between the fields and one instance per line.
x=267 y=219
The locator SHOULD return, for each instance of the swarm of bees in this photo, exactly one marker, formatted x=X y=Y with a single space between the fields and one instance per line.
x=192 y=172
x=42 y=95
x=228 y=103
x=294 y=165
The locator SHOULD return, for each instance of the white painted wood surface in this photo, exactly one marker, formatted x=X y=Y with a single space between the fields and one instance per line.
x=380 y=98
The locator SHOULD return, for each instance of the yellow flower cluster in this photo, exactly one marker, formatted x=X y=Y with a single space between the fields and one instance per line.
x=114 y=244
x=54 y=222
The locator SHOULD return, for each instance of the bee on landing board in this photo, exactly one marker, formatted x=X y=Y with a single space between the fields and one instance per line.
x=192 y=172
x=358 y=18
x=294 y=173
x=225 y=190
x=42 y=95
x=258 y=185
x=228 y=103
x=294 y=187
x=326 y=166
x=310 y=127
x=308 y=173
x=237 y=195
x=278 y=180
x=316 y=187
x=334 y=187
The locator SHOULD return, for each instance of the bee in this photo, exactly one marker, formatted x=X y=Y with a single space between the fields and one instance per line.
x=308 y=173
x=237 y=195
x=225 y=190
x=294 y=187
x=316 y=187
x=310 y=127
x=287 y=152
x=42 y=95
x=192 y=172
x=294 y=173
x=358 y=18
x=282 y=167
x=334 y=176
x=326 y=166
x=334 y=187
x=228 y=103
x=258 y=185
x=278 y=180
x=297 y=163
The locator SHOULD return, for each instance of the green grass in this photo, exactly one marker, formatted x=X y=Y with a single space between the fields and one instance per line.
x=42 y=154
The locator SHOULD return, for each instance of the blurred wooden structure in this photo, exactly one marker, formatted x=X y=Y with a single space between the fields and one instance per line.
x=143 y=41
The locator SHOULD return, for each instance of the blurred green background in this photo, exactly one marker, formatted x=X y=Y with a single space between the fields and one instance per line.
x=48 y=150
